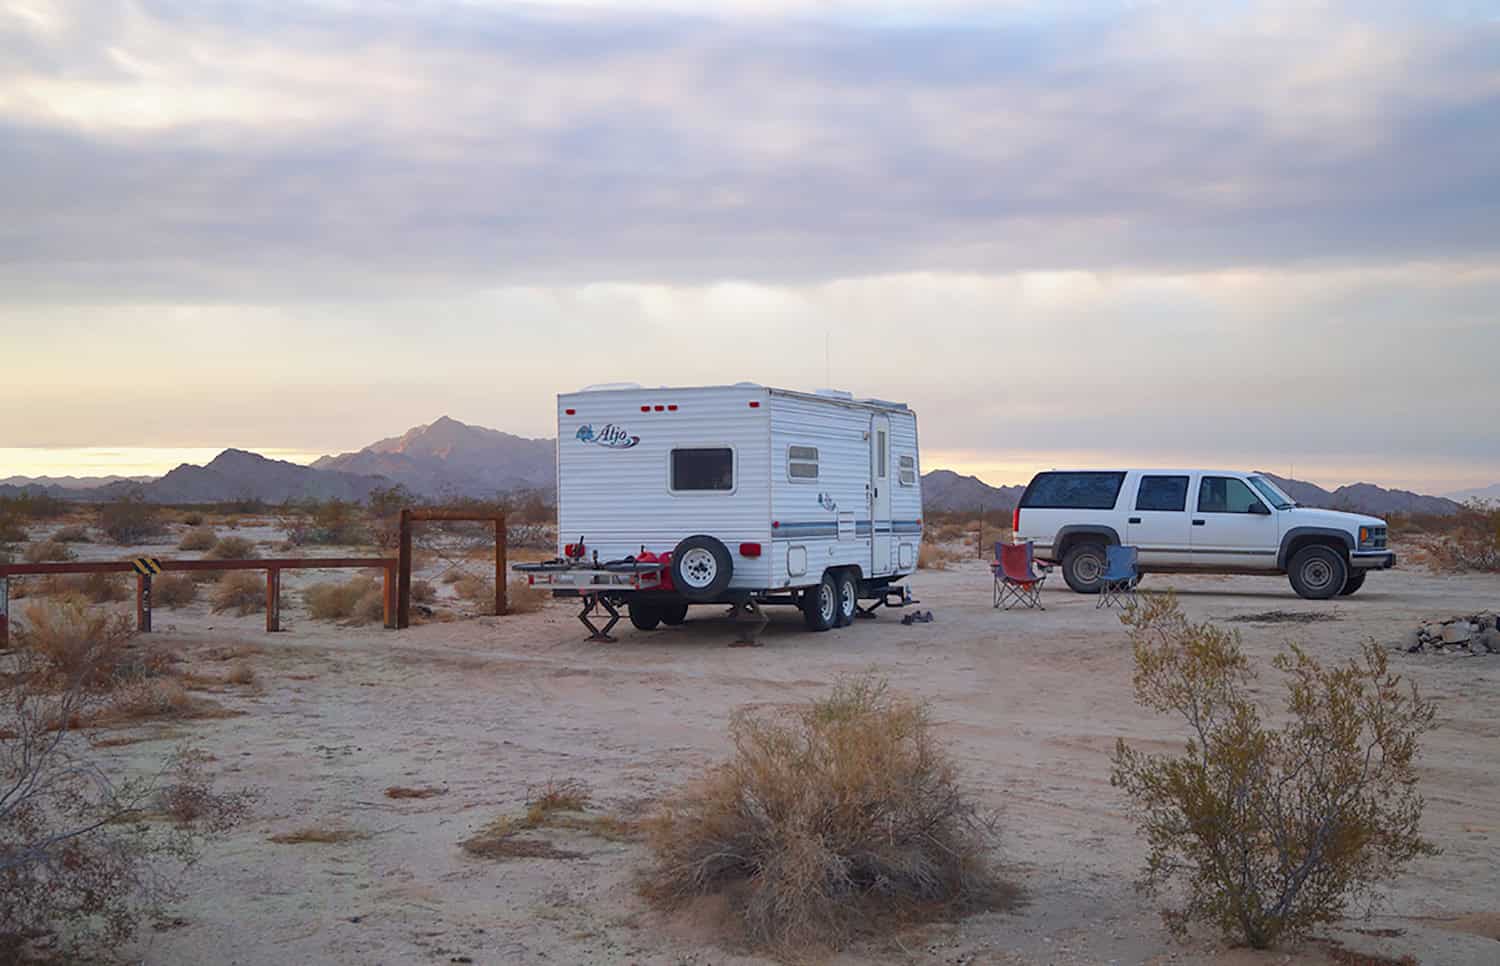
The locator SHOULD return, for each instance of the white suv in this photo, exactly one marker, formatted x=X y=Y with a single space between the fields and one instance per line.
x=1197 y=521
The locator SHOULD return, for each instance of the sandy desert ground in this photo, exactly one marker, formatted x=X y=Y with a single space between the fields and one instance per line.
x=489 y=708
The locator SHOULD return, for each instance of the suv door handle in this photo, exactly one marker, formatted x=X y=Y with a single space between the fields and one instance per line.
x=1198 y=523
x=1134 y=520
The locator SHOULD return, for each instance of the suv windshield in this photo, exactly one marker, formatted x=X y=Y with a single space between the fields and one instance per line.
x=1272 y=493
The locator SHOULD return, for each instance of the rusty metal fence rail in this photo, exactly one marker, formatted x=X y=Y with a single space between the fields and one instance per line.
x=273 y=566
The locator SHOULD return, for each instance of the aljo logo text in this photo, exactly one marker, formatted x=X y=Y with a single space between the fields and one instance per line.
x=610 y=436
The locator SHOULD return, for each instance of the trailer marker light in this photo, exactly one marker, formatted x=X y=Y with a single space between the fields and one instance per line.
x=645 y=409
x=660 y=408
x=570 y=412
x=749 y=550
x=754 y=404
x=775 y=524
x=672 y=408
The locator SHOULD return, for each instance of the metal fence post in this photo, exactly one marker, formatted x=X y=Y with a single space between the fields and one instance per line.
x=403 y=574
x=502 y=590
x=5 y=612
x=273 y=600
x=143 y=603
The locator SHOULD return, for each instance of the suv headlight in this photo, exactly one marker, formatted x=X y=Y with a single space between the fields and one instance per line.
x=1372 y=538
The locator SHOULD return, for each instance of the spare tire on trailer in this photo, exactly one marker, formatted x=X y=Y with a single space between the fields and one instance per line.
x=701 y=568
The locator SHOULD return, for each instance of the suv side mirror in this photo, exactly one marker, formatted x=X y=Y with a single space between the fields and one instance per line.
x=1260 y=509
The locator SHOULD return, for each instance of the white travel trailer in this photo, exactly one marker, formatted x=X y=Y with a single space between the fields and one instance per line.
x=737 y=494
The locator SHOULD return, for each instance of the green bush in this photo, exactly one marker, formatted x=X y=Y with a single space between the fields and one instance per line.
x=1273 y=831
x=130 y=519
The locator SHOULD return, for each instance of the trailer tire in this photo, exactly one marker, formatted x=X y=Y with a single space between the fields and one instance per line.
x=820 y=604
x=701 y=568
x=674 y=614
x=848 y=601
x=645 y=616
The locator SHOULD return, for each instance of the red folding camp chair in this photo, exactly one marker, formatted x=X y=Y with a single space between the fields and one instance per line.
x=1016 y=582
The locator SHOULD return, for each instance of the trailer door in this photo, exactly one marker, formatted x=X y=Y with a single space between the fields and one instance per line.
x=880 y=495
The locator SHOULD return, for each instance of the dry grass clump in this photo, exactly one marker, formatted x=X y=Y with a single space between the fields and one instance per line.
x=452 y=576
x=556 y=805
x=1469 y=540
x=931 y=556
x=198 y=538
x=426 y=791
x=240 y=672
x=77 y=533
x=233 y=548
x=524 y=598
x=96 y=588
x=242 y=591
x=423 y=592
x=359 y=599
x=829 y=821
x=46 y=551
x=315 y=835
x=173 y=590
x=157 y=697
x=75 y=642
x=193 y=518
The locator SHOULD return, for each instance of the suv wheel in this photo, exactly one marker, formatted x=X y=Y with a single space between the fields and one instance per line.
x=820 y=605
x=1354 y=583
x=1082 y=566
x=1318 y=572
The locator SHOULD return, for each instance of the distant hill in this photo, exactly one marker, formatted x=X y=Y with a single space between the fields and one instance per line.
x=447 y=457
x=1484 y=494
x=944 y=491
x=1364 y=498
x=71 y=482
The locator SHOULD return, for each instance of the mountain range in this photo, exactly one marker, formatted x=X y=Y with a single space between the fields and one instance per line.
x=447 y=458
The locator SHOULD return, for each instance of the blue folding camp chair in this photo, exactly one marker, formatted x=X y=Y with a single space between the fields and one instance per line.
x=1120 y=576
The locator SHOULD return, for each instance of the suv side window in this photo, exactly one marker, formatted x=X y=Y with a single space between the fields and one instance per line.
x=1073 y=491
x=1162 y=493
x=1225 y=494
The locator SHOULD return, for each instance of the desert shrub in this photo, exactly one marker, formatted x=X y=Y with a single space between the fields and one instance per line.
x=384 y=506
x=240 y=672
x=359 y=598
x=828 y=820
x=452 y=576
x=11 y=530
x=233 y=548
x=1469 y=540
x=173 y=590
x=45 y=551
x=81 y=862
x=193 y=518
x=198 y=538
x=423 y=592
x=524 y=598
x=1274 y=831
x=930 y=556
x=102 y=588
x=331 y=522
x=242 y=591
x=75 y=643
x=474 y=588
x=130 y=519
x=33 y=505
x=77 y=533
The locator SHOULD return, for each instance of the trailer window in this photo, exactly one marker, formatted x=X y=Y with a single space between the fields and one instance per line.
x=802 y=462
x=907 y=466
x=702 y=469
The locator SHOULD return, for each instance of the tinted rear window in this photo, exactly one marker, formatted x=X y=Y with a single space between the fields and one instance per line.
x=1073 y=491
x=1162 y=493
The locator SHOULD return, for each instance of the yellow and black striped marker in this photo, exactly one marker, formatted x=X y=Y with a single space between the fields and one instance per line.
x=146 y=566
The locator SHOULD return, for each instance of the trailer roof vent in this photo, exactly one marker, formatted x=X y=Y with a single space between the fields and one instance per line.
x=610 y=386
x=833 y=393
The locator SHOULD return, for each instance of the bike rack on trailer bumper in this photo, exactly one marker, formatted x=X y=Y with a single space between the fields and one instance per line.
x=597 y=584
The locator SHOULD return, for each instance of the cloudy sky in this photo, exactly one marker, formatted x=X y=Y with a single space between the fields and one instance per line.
x=1248 y=234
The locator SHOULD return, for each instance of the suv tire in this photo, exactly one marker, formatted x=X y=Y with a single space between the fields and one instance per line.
x=848 y=586
x=673 y=614
x=701 y=568
x=645 y=616
x=1082 y=566
x=1318 y=572
x=820 y=605
x=1352 y=585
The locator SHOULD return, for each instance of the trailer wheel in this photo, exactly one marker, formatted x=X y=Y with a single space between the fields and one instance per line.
x=645 y=616
x=848 y=586
x=820 y=604
x=701 y=568
x=674 y=614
